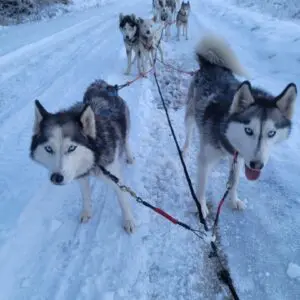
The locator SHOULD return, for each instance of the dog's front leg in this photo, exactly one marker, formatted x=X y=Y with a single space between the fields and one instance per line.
x=86 y=199
x=207 y=158
x=133 y=61
x=188 y=122
x=128 y=221
x=167 y=32
x=161 y=53
x=151 y=57
x=235 y=201
x=140 y=62
x=129 y=63
x=178 y=33
x=186 y=31
x=203 y=170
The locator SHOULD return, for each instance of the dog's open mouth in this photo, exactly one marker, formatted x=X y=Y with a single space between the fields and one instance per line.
x=251 y=174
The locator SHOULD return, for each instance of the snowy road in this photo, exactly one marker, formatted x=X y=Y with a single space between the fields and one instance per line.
x=46 y=254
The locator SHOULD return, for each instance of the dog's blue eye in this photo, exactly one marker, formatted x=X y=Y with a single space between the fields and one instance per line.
x=49 y=149
x=271 y=133
x=71 y=148
x=248 y=131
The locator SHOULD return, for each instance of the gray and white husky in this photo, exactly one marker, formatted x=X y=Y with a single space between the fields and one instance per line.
x=172 y=7
x=182 y=19
x=163 y=14
x=233 y=116
x=129 y=27
x=74 y=144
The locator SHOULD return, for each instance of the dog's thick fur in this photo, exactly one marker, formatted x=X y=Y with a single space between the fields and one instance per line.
x=182 y=19
x=233 y=116
x=150 y=41
x=163 y=15
x=129 y=27
x=171 y=4
x=72 y=144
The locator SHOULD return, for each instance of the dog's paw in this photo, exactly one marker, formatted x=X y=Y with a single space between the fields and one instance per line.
x=85 y=216
x=143 y=74
x=204 y=210
x=237 y=204
x=184 y=151
x=129 y=160
x=129 y=225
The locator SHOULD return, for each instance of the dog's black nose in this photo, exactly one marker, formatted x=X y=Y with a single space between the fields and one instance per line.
x=148 y=32
x=256 y=164
x=57 y=178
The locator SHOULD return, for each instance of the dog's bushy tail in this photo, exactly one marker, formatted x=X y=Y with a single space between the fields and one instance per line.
x=214 y=50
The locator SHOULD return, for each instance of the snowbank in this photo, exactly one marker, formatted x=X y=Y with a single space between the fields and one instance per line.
x=14 y=12
x=283 y=9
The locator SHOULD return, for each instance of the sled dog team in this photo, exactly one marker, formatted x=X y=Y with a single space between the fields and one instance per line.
x=231 y=116
x=142 y=39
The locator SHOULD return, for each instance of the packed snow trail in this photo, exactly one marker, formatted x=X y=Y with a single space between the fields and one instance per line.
x=44 y=251
x=263 y=240
x=46 y=254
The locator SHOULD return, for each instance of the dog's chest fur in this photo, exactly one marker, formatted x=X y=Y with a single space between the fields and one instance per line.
x=181 y=18
x=132 y=43
x=147 y=43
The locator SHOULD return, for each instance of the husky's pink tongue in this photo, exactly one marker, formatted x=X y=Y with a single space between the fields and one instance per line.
x=251 y=174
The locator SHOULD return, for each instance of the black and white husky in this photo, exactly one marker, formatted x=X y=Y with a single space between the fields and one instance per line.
x=163 y=14
x=73 y=144
x=233 y=116
x=129 y=27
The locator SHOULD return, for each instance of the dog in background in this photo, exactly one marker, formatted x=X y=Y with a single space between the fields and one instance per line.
x=182 y=19
x=171 y=4
x=129 y=27
x=150 y=40
x=163 y=15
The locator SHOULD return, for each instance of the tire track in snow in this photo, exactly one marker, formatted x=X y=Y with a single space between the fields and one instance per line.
x=270 y=220
x=93 y=48
x=97 y=271
x=62 y=53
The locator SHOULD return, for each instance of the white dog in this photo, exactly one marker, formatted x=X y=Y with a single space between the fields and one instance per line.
x=150 y=40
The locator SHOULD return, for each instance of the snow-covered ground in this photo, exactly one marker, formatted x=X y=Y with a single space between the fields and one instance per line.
x=46 y=254
x=44 y=10
x=284 y=9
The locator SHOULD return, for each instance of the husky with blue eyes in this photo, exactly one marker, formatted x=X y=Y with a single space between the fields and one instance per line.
x=74 y=144
x=232 y=116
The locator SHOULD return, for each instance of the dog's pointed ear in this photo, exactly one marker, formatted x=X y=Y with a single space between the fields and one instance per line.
x=286 y=100
x=40 y=114
x=140 y=21
x=242 y=98
x=133 y=16
x=121 y=16
x=87 y=119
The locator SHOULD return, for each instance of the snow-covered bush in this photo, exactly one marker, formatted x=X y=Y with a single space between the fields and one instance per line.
x=16 y=11
x=282 y=9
